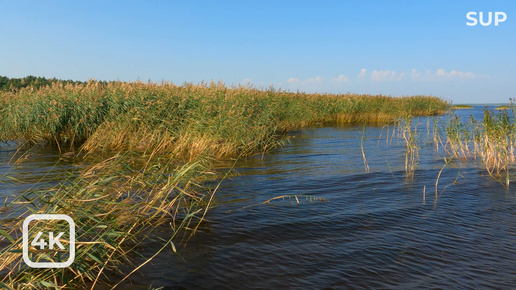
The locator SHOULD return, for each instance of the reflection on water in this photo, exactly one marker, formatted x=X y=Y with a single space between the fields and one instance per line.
x=373 y=230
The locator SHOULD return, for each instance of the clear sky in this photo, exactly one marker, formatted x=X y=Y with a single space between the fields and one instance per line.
x=388 y=47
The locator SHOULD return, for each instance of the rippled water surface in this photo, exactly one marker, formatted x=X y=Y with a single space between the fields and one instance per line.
x=373 y=230
x=20 y=173
x=370 y=230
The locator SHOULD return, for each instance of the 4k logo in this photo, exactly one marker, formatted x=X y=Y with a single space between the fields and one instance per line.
x=41 y=243
x=53 y=244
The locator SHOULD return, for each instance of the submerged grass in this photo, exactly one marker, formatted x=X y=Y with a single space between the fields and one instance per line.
x=148 y=149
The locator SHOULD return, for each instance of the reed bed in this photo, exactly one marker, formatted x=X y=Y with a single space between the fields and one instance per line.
x=148 y=149
x=492 y=140
x=185 y=120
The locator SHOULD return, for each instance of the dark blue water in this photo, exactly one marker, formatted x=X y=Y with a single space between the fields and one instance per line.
x=372 y=230
x=23 y=171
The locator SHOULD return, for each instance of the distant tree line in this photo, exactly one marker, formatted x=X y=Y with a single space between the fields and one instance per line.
x=13 y=84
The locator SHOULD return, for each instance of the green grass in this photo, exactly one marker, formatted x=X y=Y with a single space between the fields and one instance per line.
x=149 y=148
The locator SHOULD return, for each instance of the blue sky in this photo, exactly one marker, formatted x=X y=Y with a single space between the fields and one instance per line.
x=374 y=47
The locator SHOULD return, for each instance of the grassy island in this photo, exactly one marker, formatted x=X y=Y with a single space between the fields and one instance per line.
x=503 y=107
x=462 y=107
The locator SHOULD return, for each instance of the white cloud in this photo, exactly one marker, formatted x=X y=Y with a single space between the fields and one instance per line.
x=441 y=75
x=386 y=76
x=317 y=83
x=316 y=80
x=461 y=75
x=362 y=73
x=440 y=72
x=245 y=81
x=415 y=74
x=340 y=79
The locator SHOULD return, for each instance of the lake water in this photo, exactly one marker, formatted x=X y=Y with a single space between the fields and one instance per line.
x=371 y=229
